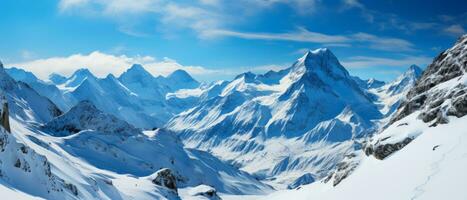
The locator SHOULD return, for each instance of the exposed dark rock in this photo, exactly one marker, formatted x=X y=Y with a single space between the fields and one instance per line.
x=343 y=169
x=72 y=188
x=165 y=178
x=5 y=116
x=434 y=102
x=384 y=150
x=208 y=192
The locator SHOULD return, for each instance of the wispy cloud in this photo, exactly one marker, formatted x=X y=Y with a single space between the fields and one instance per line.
x=300 y=35
x=367 y=61
x=454 y=30
x=102 y=64
x=304 y=35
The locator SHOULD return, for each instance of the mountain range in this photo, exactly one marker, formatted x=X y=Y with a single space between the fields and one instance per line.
x=308 y=131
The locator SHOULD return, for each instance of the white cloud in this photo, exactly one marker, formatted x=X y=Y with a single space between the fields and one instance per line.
x=384 y=43
x=304 y=35
x=454 y=30
x=367 y=61
x=102 y=64
x=300 y=35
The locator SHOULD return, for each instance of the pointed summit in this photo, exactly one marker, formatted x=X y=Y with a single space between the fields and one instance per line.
x=57 y=78
x=180 y=75
x=83 y=72
x=324 y=60
x=86 y=116
x=136 y=73
x=415 y=70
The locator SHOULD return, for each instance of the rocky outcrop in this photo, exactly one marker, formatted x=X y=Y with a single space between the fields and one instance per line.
x=382 y=151
x=5 y=115
x=441 y=91
x=205 y=191
x=343 y=169
x=165 y=178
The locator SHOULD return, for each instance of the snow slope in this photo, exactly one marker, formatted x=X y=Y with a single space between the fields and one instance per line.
x=25 y=102
x=418 y=171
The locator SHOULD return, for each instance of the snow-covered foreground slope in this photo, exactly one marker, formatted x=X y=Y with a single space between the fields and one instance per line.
x=116 y=152
x=430 y=167
x=282 y=125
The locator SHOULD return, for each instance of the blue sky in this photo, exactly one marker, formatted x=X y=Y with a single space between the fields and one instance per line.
x=216 y=39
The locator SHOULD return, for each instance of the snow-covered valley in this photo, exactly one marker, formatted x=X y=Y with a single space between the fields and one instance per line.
x=310 y=131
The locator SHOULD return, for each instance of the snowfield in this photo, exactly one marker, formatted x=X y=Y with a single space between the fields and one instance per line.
x=431 y=167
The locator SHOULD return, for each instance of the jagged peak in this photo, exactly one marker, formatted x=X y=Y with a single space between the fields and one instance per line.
x=83 y=72
x=180 y=74
x=136 y=70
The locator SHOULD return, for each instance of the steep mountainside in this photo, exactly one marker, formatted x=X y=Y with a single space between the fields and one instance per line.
x=24 y=101
x=424 y=144
x=298 y=120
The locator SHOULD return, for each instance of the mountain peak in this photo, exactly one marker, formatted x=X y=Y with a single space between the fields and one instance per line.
x=83 y=72
x=86 y=116
x=57 y=78
x=322 y=62
x=181 y=75
x=414 y=71
x=137 y=71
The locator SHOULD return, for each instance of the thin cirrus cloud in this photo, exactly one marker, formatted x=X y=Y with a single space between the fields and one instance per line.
x=101 y=64
x=212 y=23
x=304 y=35
x=368 y=61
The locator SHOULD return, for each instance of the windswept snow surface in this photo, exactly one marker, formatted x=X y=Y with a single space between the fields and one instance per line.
x=430 y=167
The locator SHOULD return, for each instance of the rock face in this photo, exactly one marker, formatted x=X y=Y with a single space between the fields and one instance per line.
x=5 y=116
x=165 y=178
x=382 y=151
x=441 y=91
x=206 y=191
x=343 y=169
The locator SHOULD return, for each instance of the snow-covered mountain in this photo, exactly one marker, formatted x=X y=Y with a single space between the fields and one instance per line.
x=136 y=96
x=282 y=124
x=391 y=94
x=27 y=104
x=87 y=154
x=311 y=131
x=421 y=154
x=44 y=88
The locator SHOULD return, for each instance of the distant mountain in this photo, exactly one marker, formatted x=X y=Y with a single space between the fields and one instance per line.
x=45 y=89
x=314 y=104
x=136 y=96
x=391 y=94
